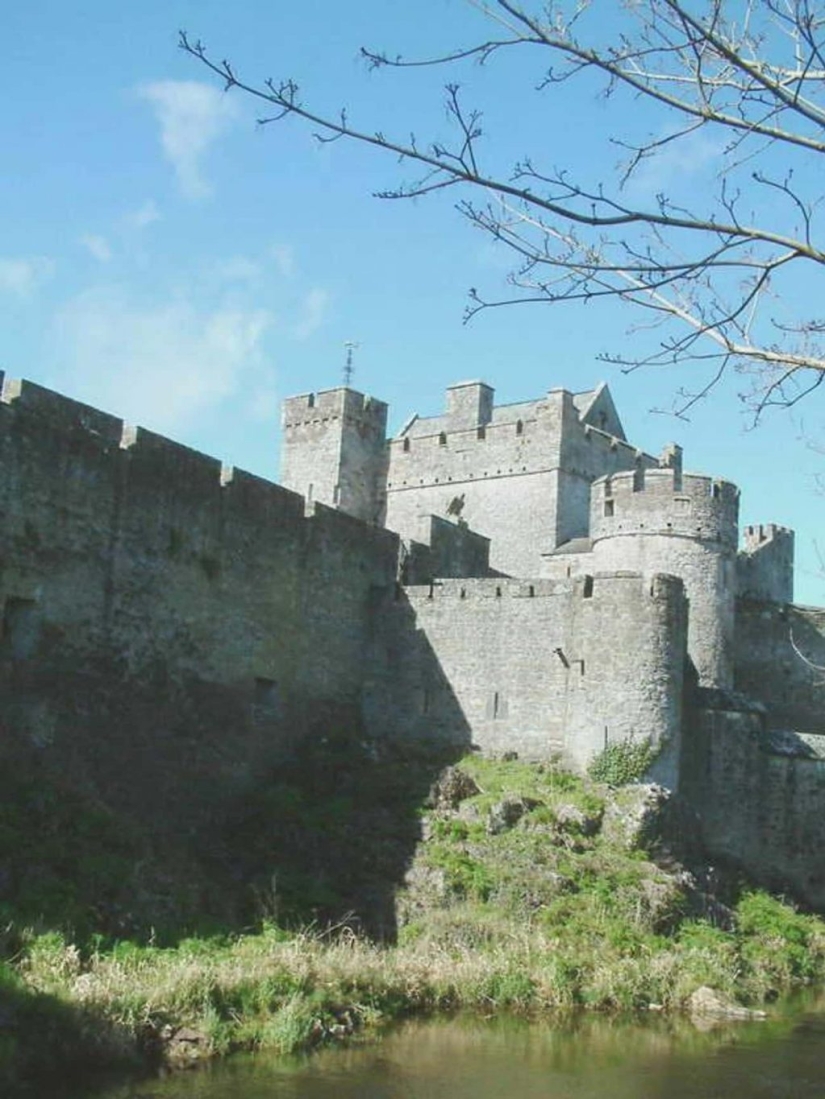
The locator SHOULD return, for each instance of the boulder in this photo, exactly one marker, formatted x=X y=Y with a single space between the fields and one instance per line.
x=505 y=814
x=451 y=788
x=709 y=1003
x=635 y=816
x=570 y=818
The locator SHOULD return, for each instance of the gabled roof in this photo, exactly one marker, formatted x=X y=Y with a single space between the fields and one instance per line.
x=596 y=407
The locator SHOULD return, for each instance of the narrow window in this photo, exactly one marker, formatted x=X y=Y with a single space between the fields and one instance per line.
x=481 y=432
x=587 y=591
x=442 y=439
x=531 y=591
x=638 y=478
x=311 y=401
x=716 y=491
x=519 y=427
x=266 y=700
x=266 y=692
x=407 y=443
x=609 y=507
x=496 y=702
x=498 y=593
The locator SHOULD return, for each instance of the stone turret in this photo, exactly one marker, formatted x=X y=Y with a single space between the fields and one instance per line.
x=661 y=520
x=333 y=450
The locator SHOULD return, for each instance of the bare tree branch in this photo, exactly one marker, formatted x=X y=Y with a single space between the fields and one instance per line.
x=748 y=73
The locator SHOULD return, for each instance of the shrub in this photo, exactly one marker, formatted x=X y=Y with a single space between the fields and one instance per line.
x=624 y=762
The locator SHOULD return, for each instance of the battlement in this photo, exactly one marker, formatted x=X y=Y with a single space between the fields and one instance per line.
x=95 y=450
x=664 y=501
x=62 y=412
x=764 y=567
x=660 y=587
x=755 y=537
x=341 y=403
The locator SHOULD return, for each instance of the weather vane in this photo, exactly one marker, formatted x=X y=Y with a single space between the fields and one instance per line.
x=349 y=369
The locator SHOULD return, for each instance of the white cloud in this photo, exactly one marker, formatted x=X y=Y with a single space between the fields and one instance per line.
x=98 y=246
x=191 y=116
x=313 y=312
x=143 y=216
x=160 y=365
x=23 y=275
x=238 y=269
x=284 y=257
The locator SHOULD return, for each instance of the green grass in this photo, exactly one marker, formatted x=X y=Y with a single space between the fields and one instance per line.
x=546 y=916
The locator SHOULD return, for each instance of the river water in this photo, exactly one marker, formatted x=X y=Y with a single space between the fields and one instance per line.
x=596 y=1058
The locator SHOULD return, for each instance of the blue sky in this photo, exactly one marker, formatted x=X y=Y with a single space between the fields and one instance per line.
x=165 y=258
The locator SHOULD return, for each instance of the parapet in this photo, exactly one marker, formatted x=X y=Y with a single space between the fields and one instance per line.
x=62 y=412
x=764 y=567
x=342 y=403
x=163 y=471
x=660 y=588
x=665 y=502
x=445 y=549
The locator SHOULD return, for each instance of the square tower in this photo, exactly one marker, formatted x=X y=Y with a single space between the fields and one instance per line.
x=333 y=450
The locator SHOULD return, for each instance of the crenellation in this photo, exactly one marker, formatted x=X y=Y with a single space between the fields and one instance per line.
x=765 y=563
x=517 y=577
x=62 y=412
x=667 y=501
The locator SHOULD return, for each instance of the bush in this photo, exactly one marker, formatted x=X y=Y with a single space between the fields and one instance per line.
x=624 y=762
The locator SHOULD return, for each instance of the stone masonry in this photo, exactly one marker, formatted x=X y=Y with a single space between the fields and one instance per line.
x=510 y=578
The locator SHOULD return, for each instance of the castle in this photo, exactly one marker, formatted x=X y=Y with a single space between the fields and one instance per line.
x=514 y=578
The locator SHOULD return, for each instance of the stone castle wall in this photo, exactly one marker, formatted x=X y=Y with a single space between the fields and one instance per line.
x=168 y=624
x=764 y=566
x=538 y=668
x=759 y=797
x=780 y=662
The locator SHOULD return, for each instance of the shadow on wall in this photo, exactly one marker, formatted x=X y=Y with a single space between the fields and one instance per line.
x=137 y=804
x=780 y=660
x=331 y=832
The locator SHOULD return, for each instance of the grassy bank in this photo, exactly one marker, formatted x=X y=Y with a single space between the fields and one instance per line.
x=534 y=894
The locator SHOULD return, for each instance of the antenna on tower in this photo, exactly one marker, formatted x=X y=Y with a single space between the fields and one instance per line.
x=349 y=369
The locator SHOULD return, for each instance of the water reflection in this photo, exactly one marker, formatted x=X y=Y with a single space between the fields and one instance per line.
x=505 y=1059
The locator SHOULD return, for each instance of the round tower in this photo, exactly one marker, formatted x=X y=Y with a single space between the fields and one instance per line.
x=659 y=520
